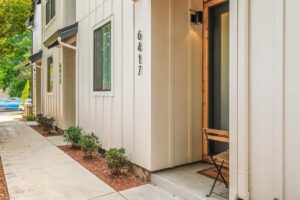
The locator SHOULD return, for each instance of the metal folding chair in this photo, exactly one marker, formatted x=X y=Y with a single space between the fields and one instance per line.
x=219 y=160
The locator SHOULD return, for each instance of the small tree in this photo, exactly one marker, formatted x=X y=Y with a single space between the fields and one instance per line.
x=25 y=92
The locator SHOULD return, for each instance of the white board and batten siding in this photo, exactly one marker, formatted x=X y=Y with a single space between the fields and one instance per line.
x=274 y=98
x=155 y=116
x=291 y=100
x=176 y=84
x=110 y=115
x=52 y=103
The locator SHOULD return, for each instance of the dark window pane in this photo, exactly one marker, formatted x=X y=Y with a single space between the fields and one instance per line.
x=106 y=47
x=52 y=8
x=102 y=58
x=50 y=74
x=48 y=11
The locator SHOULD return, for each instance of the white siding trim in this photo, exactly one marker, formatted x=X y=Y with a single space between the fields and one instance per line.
x=233 y=112
x=243 y=99
x=278 y=101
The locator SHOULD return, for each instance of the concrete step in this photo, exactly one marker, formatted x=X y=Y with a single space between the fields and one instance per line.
x=173 y=188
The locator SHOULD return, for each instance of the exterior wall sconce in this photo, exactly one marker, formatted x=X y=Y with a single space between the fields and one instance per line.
x=196 y=17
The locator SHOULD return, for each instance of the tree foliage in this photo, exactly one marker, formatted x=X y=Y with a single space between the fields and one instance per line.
x=13 y=17
x=16 y=87
x=15 y=45
x=12 y=63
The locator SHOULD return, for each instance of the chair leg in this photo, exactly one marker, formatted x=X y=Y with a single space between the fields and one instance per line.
x=220 y=171
x=213 y=186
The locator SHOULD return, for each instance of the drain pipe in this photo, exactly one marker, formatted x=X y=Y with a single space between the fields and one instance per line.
x=66 y=45
x=34 y=65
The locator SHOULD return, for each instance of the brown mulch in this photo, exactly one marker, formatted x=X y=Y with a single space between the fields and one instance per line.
x=3 y=187
x=40 y=130
x=213 y=172
x=99 y=168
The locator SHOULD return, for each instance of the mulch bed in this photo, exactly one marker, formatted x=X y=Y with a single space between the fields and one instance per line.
x=212 y=173
x=99 y=168
x=40 y=130
x=3 y=187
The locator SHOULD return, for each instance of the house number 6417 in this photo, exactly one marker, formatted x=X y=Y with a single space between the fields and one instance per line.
x=140 y=49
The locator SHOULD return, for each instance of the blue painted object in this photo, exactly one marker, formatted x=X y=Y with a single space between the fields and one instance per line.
x=10 y=103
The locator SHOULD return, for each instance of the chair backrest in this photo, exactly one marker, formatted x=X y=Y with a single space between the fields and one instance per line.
x=216 y=135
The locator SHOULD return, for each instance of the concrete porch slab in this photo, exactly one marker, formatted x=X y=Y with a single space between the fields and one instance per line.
x=184 y=181
x=148 y=192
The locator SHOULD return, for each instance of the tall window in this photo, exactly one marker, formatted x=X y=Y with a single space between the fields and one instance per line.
x=50 y=74
x=50 y=10
x=102 y=58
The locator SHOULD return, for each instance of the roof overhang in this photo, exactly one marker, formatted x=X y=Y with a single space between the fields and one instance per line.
x=67 y=34
x=36 y=57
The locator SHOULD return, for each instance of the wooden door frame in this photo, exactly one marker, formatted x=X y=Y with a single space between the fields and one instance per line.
x=205 y=72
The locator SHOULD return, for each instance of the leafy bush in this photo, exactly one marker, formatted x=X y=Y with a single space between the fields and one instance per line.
x=40 y=119
x=46 y=123
x=73 y=135
x=29 y=117
x=89 y=144
x=116 y=160
x=16 y=87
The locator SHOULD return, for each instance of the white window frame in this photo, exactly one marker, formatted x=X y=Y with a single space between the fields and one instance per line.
x=95 y=27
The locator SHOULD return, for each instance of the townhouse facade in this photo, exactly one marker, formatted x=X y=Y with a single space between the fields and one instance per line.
x=149 y=75
x=58 y=78
x=36 y=57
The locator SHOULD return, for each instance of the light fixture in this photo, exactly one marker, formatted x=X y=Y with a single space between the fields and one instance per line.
x=196 y=17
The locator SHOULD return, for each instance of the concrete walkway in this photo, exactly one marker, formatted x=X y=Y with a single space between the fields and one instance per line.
x=35 y=169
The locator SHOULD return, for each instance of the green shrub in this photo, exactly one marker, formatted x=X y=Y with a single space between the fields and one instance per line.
x=116 y=160
x=73 y=135
x=46 y=123
x=89 y=144
x=40 y=118
x=29 y=117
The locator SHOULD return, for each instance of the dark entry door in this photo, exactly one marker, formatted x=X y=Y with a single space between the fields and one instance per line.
x=219 y=67
x=219 y=72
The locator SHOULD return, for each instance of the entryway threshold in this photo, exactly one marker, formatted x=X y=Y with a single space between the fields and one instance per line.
x=185 y=182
